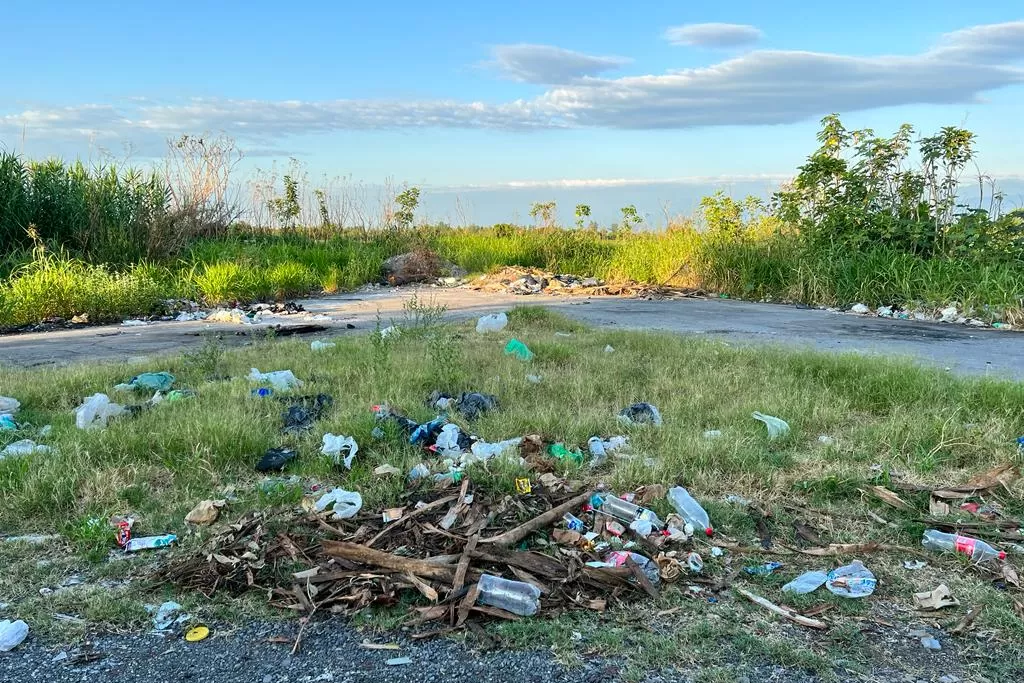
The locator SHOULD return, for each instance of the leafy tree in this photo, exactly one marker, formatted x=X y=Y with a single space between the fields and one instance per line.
x=630 y=218
x=582 y=214
x=407 y=201
x=543 y=212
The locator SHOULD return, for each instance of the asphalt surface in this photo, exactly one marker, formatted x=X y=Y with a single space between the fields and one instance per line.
x=961 y=349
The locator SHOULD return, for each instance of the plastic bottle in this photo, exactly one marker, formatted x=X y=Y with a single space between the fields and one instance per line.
x=978 y=550
x=689 y=509
x=513 y=596
x=629 y=512
x=808 y=582
x=596 y=447
x=852 y=581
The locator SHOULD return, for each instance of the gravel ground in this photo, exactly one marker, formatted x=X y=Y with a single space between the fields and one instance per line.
x=330 y=652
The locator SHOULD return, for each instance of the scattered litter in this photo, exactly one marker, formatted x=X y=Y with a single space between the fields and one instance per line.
x=640 y=413
x=205 y=513
x=826 y=440
x=776 y=427
x=95 y=411
x=379 y=646
x=167 y=615
x=23 y=448
x=523 y=487
x=626 y=511
x=712 y=433
x=10 y=405
x=282 y=380
x=303 y=411
x=516 y=597
x=930 y=643
x=197 y=633
x=7 y=423
x=392 y=515
x=560 y=452
x=12 y=634
x=914 y=565
x=532 y=281
x=609 y=349
x=518 y=349
x=808 y=582
x=390 y=331
x=345 y=504
x=149 y=543
x=621 y=558
x=135 y=323
x=418 y=472
x=852 y=581
x=689 y=509
x=262 y=392
x=317 y=345
x=186 y=317
x=492 y=323
x=536 y=379
x=275 y=459
x=716 y=551
x=935 y=599
x=695 y=562
x=860 y=309
x=482 y=450
x=979 y=551
x=763 y=569
x=34 y=539
x=784 y=612
x=398 y=661
x=737 y=500
x=335 y=445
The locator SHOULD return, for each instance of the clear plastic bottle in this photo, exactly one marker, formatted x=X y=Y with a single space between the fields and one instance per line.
x=629 y=512
x=597 y=450
x=689 y=509
x=516 y=597
x=978 y=550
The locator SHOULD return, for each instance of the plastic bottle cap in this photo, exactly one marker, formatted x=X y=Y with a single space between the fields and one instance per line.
x=709 y=531
x=1002 y=554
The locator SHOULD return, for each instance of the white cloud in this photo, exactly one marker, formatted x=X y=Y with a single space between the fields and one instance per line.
x=546 y=64
x=713 y=35
x=758 y=87
x=598 y=183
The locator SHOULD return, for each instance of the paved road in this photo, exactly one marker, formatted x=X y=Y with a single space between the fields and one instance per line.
x=962 y=349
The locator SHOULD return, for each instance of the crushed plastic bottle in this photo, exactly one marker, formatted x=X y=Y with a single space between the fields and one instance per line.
x=618 y=558
x=518 y=349
x=12 y=634
x=689 y=509
x=345 y=504
x=808 y=582
x=516 y=597
x=334 y=445
x=852 y=581
x=628 y=512
x=495 y=322
x=762 y=569
x=282 y=380
x=776 y=426
x=95 y=411
x=979 y=551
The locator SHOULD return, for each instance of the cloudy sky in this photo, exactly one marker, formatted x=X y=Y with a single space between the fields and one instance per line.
x=527 y=98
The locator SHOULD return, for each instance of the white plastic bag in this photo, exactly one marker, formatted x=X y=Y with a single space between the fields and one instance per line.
x=23 y=447
x=495 y=322
x=333 y=446
x=12 y=633
x=447 y=441
x=482 y=450
x=776 y=426
x=95 y=411
x=9 y=405
x=346 y=504
x=281 y=380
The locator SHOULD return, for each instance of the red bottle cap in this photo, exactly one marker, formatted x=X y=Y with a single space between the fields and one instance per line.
x=709 y=531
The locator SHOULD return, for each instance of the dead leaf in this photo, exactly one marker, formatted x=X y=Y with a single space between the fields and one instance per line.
x=937 y=508
x=967 y=620
x=1000 y=475
x=565 y=536
x=806 y=532
x=935 y=599
x=598 y=604
x=888 y=497
x=205 y=513
x=1010 y=575
x=550 y=481
x=646 y=494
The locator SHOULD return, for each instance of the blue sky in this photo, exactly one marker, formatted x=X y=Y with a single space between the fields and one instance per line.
x=584 y=95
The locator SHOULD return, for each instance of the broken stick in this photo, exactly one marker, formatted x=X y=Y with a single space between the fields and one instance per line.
x=782 y=612
x=376 y=558
x=513 y=536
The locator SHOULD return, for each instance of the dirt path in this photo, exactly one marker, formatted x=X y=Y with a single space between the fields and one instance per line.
x=962 y=349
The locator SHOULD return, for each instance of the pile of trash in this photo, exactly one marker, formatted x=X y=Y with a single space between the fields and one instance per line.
x=525 y=281
x=949 y=314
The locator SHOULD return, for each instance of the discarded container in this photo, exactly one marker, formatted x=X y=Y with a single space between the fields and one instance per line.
x=597 y=451
x=762 y=569
x=609 y=349
x=495 y=322
x=518 y=349
x=7 y=423
x=12 y=634
x=9 y=405
x=628 y=512
x=317 y=345
x=573 y=523
x=282 y=380
x=808 y=582
x=345 y=504
x=340 y=448
x=275 y=459
x=712 y=433
x=149 y=543
x=852 y=581
x=516 y=597
x=22 y=448
x=197 y=633
x=95 y=411
x=647 y=566
x=262 y=392
x=689 y=509
x=640 y=413
x=695 y=562
x=979 y=551
x=398 y=661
